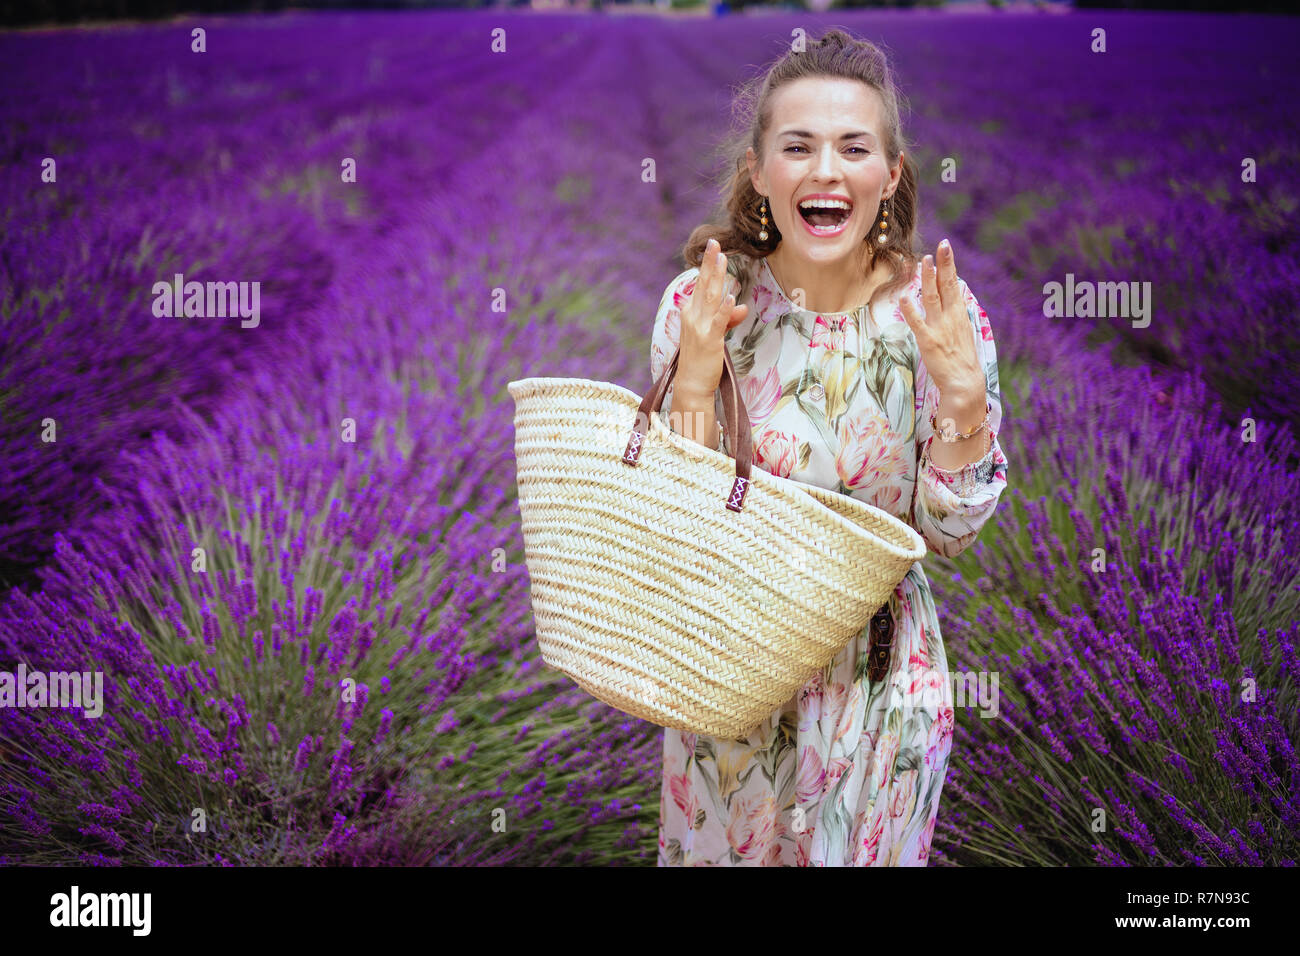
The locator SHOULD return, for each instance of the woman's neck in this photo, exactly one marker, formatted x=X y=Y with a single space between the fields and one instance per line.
x=827 y=287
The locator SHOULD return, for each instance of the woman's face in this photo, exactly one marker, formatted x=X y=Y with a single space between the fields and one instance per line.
x=825 y=138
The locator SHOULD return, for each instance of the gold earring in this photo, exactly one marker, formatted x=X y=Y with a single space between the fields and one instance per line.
x=762 y=208
x=885 y=206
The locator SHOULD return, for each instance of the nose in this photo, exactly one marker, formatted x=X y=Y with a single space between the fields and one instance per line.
x=828 y=162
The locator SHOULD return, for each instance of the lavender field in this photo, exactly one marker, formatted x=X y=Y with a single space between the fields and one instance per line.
x=290 y=542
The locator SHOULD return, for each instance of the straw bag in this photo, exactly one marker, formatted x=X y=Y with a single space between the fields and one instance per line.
x=674 y=583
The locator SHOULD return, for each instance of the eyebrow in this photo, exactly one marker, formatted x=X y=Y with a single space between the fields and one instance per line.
x=807 y=135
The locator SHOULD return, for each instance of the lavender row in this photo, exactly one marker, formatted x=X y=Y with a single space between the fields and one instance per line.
x=225 y=166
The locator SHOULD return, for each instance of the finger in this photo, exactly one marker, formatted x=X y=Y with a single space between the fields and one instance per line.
x=948 y=288
x=715 y=284
x=726 y=309
x=929 y=288
x=703 y=294
x=911 y=314
x=738 y=315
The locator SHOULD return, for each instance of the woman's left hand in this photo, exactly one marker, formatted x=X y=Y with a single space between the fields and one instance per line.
x=943 y=334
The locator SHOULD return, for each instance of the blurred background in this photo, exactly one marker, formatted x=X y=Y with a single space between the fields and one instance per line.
x=64 y=11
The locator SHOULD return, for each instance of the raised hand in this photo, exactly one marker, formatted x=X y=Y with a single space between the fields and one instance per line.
x=705 y=318
x=944 y=336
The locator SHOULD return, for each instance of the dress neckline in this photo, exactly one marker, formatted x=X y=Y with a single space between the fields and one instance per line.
x=789 y=301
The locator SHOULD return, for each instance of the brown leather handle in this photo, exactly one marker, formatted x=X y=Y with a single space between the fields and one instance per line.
x=740 y=436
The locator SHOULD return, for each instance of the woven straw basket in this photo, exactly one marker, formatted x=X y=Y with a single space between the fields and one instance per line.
x=675 y=583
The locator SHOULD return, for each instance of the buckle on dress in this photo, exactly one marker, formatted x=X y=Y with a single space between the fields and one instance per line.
x=882 y=643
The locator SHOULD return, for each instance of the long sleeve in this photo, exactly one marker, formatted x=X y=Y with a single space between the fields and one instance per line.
x=950 y=507
x=666 y=337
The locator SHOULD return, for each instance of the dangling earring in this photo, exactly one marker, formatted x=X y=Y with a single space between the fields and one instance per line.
x=885 y=207
x=762 y=209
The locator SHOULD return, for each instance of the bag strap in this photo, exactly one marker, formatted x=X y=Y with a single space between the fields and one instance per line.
x=740 y=436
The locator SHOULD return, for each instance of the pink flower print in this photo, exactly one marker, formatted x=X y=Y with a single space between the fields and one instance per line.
x=904 y=601
x=683 y=794
x=901 y=812
x=927 y=837
x=812 y=775
x=834 y=770
x=673 y=326
x=773 y=857
x=883 y=757
x=780 y=830
x=829 y=332
x=760 y=393
x=776 y=453
x=867 y=838
x=919 y=658
x=849 y=715
x=810 y=702
x=688 y=741
x=867 y=742
x=682 y=294
x=902 y=796
x=834 y=697
x=939 y=742
x=753 y=826
x=762 y=304
x=869 y=451
x=860 y=820
x=663 y=346
x=986 y=332
x=888 y=498
x=803 y=847
x=925 y=685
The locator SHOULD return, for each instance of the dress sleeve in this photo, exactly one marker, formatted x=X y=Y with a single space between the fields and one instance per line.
x=950 y=507
x=666 y=337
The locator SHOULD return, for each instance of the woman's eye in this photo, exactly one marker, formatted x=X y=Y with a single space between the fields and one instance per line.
x=790 y=149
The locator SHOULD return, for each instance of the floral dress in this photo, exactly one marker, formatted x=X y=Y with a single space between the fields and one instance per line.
x=848 y=771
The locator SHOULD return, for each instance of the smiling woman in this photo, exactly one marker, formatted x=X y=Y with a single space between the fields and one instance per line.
x=826 y=214
x=852 y=355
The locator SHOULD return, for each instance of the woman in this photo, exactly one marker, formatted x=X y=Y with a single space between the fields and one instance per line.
x=845 y=344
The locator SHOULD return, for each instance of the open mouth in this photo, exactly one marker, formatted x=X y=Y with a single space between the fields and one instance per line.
x=823 y=219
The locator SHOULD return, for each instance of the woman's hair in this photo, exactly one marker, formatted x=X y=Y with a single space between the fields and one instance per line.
x=836 y=55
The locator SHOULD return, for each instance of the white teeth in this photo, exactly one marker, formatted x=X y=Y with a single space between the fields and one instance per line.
x=824 y=204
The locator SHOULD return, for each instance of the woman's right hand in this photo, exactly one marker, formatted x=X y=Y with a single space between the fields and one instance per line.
x=705 y=318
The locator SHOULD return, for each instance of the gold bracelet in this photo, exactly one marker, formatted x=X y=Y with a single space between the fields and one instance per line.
x=948 y=435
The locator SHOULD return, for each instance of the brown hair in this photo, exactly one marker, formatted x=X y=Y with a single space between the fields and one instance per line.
x=835 y=54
